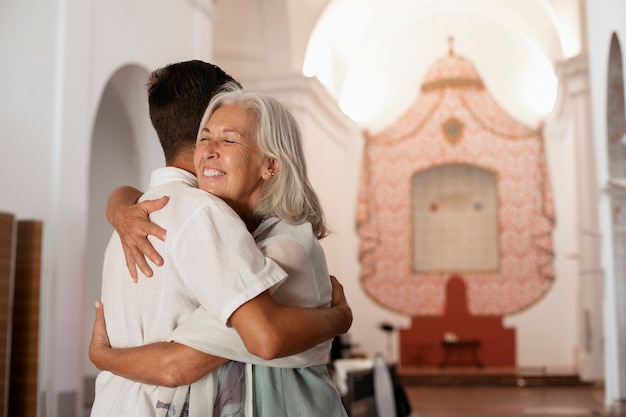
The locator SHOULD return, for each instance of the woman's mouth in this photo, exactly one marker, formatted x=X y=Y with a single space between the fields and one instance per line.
x=212 y=172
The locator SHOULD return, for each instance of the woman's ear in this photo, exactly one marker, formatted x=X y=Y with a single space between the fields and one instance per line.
x=271 y=168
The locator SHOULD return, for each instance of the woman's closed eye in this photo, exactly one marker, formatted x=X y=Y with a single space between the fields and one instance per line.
x=227 y=139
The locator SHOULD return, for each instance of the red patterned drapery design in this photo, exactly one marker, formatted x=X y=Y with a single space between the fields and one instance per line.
x=487 y=138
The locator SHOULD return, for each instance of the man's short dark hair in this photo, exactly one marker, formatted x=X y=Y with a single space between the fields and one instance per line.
x=178 y=95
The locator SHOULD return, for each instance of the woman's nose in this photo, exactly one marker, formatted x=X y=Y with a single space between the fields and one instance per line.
x=209 y=150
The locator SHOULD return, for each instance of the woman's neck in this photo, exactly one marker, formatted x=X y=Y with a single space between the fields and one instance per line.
x=248 y=217
x=251 y=221
x=245 y=210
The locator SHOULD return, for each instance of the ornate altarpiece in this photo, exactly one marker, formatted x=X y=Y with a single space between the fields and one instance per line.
x=455 y=187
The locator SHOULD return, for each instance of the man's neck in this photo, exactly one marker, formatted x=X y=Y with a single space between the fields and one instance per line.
x=183 y=161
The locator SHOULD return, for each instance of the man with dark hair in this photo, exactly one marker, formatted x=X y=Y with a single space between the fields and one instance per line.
x=177 y=98
x=209 y=258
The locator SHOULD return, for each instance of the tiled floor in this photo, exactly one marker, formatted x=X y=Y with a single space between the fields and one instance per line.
x=505 y=401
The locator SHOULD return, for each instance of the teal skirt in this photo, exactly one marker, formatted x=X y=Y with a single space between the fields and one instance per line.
x=295 y=392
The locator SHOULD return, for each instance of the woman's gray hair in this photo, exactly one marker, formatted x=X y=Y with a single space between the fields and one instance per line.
x=289 y=194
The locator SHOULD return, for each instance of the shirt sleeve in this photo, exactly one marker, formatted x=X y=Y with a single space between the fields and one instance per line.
x=219 y=260
x=308 y=282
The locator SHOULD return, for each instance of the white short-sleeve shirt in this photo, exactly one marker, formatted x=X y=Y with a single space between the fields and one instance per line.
x=210 y=260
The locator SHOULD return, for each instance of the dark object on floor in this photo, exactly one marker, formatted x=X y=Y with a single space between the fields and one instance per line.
x=403 y=407
x=360 y=399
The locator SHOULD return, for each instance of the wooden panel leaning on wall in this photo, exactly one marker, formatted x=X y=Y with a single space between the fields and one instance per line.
x=7 y=258
x=25 y=333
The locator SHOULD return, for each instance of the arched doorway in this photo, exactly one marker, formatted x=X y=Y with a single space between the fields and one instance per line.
x=124 y=149
x=616 y=279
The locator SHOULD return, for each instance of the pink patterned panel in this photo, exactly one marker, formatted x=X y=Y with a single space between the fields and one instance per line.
x=491 y=140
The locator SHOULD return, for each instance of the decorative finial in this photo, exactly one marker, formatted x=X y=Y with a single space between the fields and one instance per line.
x=450 y=45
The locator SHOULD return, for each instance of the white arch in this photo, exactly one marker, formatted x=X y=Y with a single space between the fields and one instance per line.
x=359 y=51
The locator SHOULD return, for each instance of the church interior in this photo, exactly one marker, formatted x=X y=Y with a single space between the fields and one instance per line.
x=470 y=156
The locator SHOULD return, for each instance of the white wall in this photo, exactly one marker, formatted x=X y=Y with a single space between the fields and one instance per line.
x=603 y=19
x=58 y=56
x=554 y=319
x=27 y=77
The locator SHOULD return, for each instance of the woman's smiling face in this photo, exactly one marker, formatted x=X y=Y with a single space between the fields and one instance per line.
x=228 y=160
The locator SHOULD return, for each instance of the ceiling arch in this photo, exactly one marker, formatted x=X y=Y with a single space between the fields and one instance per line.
x=372 y=54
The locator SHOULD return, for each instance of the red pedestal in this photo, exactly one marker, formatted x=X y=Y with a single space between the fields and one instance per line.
x=492 y=344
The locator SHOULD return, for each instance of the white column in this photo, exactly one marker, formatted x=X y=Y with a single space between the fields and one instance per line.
x=573 y=118
x=615 y=296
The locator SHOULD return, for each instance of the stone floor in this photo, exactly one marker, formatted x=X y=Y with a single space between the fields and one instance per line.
x=500 y=392
x=486 y=392
x=505 y=401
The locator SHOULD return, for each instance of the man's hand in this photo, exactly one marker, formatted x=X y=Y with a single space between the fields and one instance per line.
x=339 y=301
x=131 y=222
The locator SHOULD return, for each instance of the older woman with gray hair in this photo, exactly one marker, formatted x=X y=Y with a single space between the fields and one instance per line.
x=249 y=153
